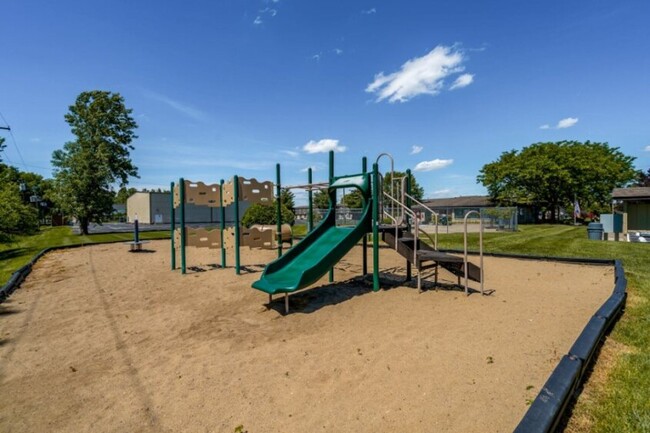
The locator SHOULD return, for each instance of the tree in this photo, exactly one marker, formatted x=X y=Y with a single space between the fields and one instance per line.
x=321 y=200
x=642 y=179
x=287 y=198
x=353 y=199
x=416 y=190
x=16 y=216
x=267 y=214
x=86 y=169
x=550 y=175
x=123 y=194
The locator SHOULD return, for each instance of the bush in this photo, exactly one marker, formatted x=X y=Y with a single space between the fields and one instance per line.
x=16 y=217
x=266 y=214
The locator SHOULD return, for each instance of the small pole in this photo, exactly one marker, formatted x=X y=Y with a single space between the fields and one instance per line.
x=173 y=226
x=310 y=202
x=181 y=186
x=223 y=224
x=332 y=195
x=278 y=190
x=136 y=233
x=375 y=227
x=408 y=223
x=364 y=242
x=236 y=188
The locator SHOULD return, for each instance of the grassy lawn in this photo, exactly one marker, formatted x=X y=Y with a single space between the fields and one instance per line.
x=17 y=253
x=622 y=402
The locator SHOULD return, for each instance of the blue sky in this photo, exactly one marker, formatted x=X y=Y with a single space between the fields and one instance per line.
x=231 y=87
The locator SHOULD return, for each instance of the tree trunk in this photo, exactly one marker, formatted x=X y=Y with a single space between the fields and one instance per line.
x=83 y=225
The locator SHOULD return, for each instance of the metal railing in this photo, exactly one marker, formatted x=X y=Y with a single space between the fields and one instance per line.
x=480 y=242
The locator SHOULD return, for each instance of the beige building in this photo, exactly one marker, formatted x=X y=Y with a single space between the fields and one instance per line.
x=155 y=208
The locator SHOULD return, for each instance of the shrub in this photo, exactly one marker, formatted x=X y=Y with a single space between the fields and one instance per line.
x=266 y=214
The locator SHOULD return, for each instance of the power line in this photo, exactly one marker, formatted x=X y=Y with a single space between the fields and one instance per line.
x=13 y=139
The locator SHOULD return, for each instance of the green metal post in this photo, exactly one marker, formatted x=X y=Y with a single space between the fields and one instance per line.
x=278 y=194
x=310 y=203
x=375 y=227
x=408 y=222
x=181 y=187
x=332 y=195
x=223 y=224
x=364 y=242
x=236 y=188
x=173 y=226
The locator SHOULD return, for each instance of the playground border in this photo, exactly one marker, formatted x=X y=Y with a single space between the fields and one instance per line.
x=554 y=400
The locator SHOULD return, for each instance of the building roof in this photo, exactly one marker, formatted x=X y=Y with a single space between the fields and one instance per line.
x=632 y=193
x=465 y=201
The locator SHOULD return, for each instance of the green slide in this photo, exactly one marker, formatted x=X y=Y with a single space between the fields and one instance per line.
x=321 y=249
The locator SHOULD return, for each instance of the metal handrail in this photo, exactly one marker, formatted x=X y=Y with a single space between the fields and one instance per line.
x=466 y=266
x=435 y=244
x=410 y=212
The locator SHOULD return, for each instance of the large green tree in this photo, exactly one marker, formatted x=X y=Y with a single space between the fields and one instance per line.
x=416 y=190
x=321 y=199
x=353 y=199
x=87 y=168
x=643 y=179
x=550 y=175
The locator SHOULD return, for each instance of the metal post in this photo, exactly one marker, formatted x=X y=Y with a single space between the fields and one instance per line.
x=278 y=190
x=310 y=202
x=222 y=210
x=236 y=188
x=286 y=303
x=332 y=196
x=364 y=245
x=181 y=188
x=173 y=226
x=408 y=224
x=375 y=227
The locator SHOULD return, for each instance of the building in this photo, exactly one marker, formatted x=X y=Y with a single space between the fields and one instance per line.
x=155 y=208
x=635 y=202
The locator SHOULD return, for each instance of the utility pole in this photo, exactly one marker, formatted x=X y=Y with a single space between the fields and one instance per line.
x=7 y=128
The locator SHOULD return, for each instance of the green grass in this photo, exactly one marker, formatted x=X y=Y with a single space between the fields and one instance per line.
x=623 y=403
x=21 y=249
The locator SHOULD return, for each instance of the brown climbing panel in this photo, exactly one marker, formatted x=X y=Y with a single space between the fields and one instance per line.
x=201 y=194
x=229 y=239
x=254 y=237
x=177 y=195
x=199 y=238
x=252 y=191
x=228 y=193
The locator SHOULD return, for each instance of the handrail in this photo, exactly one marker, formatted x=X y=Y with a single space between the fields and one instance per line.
x=410 y=212
x=465 y=265
x=396 y=226
x=435 y=243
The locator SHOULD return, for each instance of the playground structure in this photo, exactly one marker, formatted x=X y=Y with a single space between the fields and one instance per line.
x=326 y=244
x=223 y=195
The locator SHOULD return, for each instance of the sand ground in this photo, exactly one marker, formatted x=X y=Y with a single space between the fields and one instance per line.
x=102 y=340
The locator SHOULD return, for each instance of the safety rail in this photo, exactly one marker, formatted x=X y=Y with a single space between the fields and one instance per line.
x=416 y=228
x=434 y=213
x=480 y=243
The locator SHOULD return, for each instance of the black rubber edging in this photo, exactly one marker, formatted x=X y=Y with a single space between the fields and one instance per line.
x=550 y=405
x=19 y=276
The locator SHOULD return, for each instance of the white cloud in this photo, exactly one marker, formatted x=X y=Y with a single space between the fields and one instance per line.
x=462 y=81
x=647 y=148
x=317 y=57
x=567 y=123
x=338 y=51
x=441 y=192
x=420 y=75
x=369 y=11
x=434 y=164
x=416 y=149
x=545 y=126
x=258 y=20
x=178 y=106
x=291 y=153
x=323 y=146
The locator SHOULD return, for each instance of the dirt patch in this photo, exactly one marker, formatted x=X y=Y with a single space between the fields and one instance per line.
x=103 y=340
